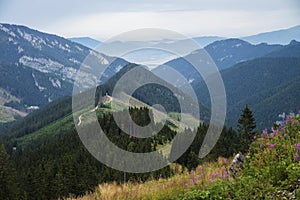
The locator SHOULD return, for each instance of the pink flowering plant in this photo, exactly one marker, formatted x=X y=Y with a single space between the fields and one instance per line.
x=209 y=181
x=273 y=154
x=201 y=177
x=271 y=169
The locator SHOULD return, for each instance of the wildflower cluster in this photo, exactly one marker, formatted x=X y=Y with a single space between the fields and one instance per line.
x=272 y=164
x=202 y=177
x=274 y=152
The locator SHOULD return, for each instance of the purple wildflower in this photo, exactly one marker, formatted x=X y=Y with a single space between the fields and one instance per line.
x=192 y=182
x=265 y=131
x=213 y=175
x=224 y=160
x=200 y=167
x=254 y=137
x=272 y=145
x=275 y=131
x=260 y=146
x=297 y=156
x=212 y=180
x=297 y=146
x=186 y=185
x=192 y=171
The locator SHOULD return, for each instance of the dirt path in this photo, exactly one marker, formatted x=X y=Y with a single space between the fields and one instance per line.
x=108 y=100
x=80 y=116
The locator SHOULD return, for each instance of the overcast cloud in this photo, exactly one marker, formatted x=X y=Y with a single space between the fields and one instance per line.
x=103 y=19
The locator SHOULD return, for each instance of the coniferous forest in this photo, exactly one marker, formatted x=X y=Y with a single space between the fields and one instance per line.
x=60 y=166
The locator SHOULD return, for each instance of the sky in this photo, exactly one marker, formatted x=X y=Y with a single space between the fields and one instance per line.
x=101 y=19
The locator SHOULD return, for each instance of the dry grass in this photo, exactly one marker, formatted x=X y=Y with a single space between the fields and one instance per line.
x=161 y=188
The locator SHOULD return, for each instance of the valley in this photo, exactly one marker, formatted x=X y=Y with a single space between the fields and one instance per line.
x=43 y=105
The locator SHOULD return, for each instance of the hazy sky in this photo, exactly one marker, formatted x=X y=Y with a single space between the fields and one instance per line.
x=103 y=19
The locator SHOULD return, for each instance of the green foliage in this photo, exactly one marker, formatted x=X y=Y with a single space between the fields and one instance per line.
x=246 y=125
x=42 y=117
x=195 y=194
x=249 y=187
x=57 y=164
x=16 y=105
x=218 y=190
x=227 y=145
x=271 y=170
x=159 y=92
x=8 y=184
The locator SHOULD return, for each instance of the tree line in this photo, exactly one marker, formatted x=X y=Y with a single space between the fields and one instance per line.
x=61 y=166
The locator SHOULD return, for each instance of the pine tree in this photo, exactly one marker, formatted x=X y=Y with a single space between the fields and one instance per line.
x=8 y=185
x=246 y=126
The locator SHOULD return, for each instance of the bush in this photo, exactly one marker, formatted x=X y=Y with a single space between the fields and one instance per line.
x=271 y=169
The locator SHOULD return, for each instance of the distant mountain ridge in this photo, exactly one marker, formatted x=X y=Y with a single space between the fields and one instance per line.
x=291 y=50
x=283 y=36
x=260 y=75
x=224 y=53
x=152 y=56
x=86 y=41
x=269 y=85
x=93 y=43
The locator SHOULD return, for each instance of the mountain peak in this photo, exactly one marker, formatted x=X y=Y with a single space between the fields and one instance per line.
x=294 y=42
x=38 y=68
x=86 y=41
x=232 y=42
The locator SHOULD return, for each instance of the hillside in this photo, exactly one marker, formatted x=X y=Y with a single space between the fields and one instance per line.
x=149 y=95
x=67 y=167
x=290 y=50
x=47 y=138
x=37 y=68
x=227 y=53
x=268 y=85
x=271 y=171
x=262 y=83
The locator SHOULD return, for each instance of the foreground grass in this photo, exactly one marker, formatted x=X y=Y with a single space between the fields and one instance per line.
x=164 y=188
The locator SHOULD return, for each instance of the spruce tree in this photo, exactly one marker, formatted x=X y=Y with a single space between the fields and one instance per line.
x=8 y=185
x=246 y=126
